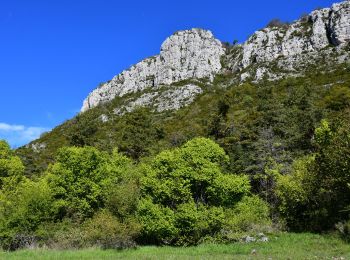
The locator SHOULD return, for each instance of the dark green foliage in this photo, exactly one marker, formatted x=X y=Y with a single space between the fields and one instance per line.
x=317 y=195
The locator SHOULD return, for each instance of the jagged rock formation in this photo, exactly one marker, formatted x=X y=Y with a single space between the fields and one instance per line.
x=279 y=50
x=296 y=45
x=186 y=54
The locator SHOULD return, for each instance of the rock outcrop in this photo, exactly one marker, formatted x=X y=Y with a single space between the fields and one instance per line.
x=278 y=50
x=185 y=55
x=170 y=99
x=329 y=26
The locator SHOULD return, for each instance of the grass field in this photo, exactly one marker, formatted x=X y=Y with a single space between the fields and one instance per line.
x=285 y=246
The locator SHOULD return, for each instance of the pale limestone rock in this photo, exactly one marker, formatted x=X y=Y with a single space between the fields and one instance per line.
x=186 y=54
x=303 y=36
x=319 y=38
x=245 y=76
x=319 y=18
x=176 y=98
x=171 y=99
x=340 y=23
x=104 y=118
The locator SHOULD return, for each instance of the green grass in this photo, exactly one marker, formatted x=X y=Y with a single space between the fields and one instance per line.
x=286 y=246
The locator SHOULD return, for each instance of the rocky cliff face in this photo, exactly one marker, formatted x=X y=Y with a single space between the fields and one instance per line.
x=322 y=37
x=185 y=55
x=295 y=45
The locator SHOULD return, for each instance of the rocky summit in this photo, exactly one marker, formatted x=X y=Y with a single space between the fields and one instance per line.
x=186 y=54
x=279 y=50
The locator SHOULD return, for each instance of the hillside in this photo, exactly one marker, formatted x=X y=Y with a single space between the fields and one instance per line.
x=206 y=143
x=283 y=77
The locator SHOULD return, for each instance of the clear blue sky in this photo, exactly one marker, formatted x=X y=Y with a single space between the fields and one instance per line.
x=53 y=53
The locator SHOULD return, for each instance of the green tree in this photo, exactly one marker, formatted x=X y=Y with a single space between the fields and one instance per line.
x=80 y=178
x=182 y=188
x=11 y=167
x=23 y=212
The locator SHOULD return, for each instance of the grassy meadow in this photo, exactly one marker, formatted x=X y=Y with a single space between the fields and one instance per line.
x=285 y=246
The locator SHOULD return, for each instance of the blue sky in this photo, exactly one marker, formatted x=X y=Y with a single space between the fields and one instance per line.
x=53 y=53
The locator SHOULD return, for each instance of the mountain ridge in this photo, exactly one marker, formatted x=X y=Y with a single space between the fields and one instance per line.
x=197 y=54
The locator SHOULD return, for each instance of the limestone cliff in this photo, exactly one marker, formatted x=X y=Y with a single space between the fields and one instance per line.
x=322 y=35
x=278 y=50
x=186 y=54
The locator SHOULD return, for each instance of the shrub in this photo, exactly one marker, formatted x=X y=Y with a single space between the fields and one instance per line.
x=277 y=23
x=186 y=194
x=23 y=212
x=106 y=231
x=158 y=223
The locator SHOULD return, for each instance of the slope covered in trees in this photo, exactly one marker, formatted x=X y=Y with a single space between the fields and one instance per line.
x=240 y=160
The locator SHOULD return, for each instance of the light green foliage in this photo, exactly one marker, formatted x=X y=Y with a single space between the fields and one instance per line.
x=180 y=175
x=332 y=174
x=186 y=190
x=11 y=167
x=107 y=231
x=323 y=133
x=24 y=211
x=80 y=177
x=251 y=214
x=294 y=190
x=226 y=190
x=195 y=222
x=316 y=195
x=158 y=222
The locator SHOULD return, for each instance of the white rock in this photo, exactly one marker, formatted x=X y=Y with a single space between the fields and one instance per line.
x=340 y=23
x=329 y=24
x=171 y=99
x=186 y=54
x=245 y=76
x=104 y=118
x=196 y=54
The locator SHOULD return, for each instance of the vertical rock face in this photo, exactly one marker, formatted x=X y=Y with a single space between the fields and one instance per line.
x=340 y=23
x=312 y=33
x=186 y=54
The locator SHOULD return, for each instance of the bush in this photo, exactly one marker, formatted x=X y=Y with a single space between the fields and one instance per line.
x=277 y=23
x=248 y=214
x=81 y=178
x=186 y=194
x=158 y=223
x=106 y=231
x=23 y=212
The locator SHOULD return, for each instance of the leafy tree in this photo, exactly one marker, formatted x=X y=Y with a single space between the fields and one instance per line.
x=11 y=167
x=79 y=179
x=182 y=188
x=317 y=194
x=137 y=131
x=23 y=212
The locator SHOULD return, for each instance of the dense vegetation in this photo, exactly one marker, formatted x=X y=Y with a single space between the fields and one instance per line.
x=240 y=160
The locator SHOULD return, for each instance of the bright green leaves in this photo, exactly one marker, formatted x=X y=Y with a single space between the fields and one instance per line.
x=192 y=172
x=227 y=189
x=323 y=133
x=80 y=179
x=11 y=167
x=158 y=222
x=184 y=193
